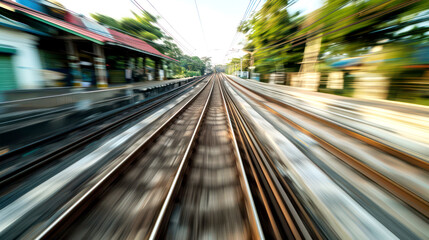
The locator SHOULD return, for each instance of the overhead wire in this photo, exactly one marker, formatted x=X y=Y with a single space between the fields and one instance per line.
x=314 y=35
x=165 y=30
x=245 y=15
x=98 y=31
x=248 y=9
x=174 y=29
x=192 y=53
x=201 y=25
x=256 y=7
x=319 y=30
x=179 y=43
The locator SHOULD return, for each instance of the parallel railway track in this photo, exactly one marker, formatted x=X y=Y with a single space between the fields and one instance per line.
x=87 y=132
x=214 y=198
x=203 y=172
x=285 y=217
x=111 y=179
x=407 y=196
x=72 y=180
x=192 y=133
x=207 y=158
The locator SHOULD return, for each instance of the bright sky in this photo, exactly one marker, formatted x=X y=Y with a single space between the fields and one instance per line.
x=219 y=18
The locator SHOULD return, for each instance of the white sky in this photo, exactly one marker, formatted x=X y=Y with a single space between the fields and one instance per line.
x=220 y=19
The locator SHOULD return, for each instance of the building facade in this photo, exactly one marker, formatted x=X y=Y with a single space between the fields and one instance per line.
x=19 y=56
x=65 y=49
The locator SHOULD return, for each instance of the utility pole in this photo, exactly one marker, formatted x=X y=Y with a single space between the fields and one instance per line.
x=251 y=67
x=241 y=66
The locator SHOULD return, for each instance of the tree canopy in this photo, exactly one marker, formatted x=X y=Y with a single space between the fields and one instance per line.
x=265 y=30
x=144 y=26
x=350 y=28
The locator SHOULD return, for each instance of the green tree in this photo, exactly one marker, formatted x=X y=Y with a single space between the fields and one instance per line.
x=353 y=27
x=347 y=28
x=356 y=28
x=144 y=27
x=207 y=62
x=268 y=27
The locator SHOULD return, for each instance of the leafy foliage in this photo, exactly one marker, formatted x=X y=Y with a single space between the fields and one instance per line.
x=353 y=27
x=144 y=27
x=268 y=27
x=347 y=27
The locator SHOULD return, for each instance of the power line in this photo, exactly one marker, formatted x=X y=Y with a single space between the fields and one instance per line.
x=287 y=5
x=201 y=24
x=165 y=30
x=314 y=35
x=98 y=31
x=192 y=47
x=235 y=35
x=245 y=16
x=248 y=9
x=141 y=8
x=256 y=6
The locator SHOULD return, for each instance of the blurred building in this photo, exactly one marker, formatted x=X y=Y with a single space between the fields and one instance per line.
x=379 y=75
x=44 y=44
x=19 y=57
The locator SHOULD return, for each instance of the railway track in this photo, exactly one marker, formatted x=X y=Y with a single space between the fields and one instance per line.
x=211 y=190
x=214 y=198
x=408 y=194
x=124 y=177
x=204 y=175
x=284 y=217
x=59 y=185
x=21 y=162
x=205 y=172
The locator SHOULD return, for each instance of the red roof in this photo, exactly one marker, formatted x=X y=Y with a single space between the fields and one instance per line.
x=55 y=22
x=135 y=43
x=118 y=37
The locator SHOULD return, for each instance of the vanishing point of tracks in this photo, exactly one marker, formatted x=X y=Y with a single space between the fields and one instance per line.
x=201 y=174
x=187 y=181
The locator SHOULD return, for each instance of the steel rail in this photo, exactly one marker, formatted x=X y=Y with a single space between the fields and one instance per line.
x=274 y=232
x=411 y=159
x=155 y=231
x=58 y=111
x=39 y=142
x=80 y=204
x=251 y=208
x=15 y=174
x=405 y=195
x=291 y=219
x=256 y=229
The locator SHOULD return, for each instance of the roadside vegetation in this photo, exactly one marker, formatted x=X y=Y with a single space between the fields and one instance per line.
x=144 y=26
x=389 y=39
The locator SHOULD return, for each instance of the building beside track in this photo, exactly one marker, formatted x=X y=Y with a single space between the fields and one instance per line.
x=43 y=44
